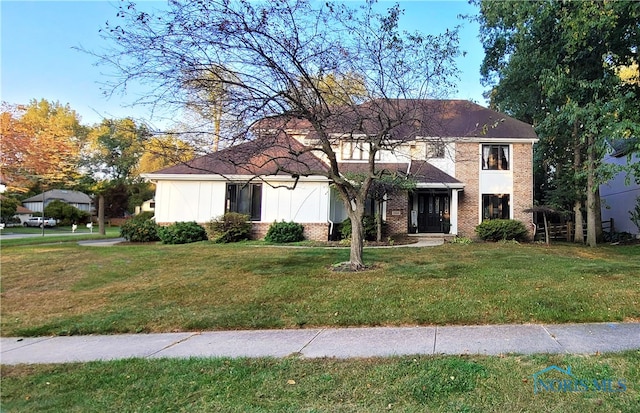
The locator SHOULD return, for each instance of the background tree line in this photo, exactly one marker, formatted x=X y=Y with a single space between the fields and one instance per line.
x=571 y=70
x=45 y=146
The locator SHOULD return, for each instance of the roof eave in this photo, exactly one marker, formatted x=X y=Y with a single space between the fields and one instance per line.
x=230 y=177
x=482 y=139
x=439 y=185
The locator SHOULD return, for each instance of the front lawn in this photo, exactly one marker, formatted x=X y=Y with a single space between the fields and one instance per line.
x=70 y=289
x=57 y=234
x=406 y=384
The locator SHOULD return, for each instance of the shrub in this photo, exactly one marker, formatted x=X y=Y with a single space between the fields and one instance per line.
x=621 y=237
x=182 y=233
x=66 y=214
x=461 y=240
x=370 y=230
x=502 y=229
x=139 y=230
x=282 y=232
x=634 y=214
x=231 y=227
x=145 y=215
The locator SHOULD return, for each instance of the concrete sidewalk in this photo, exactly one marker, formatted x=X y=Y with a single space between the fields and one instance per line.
x=329 y=342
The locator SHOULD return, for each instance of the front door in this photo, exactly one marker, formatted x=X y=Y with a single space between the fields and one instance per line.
x=433 y=209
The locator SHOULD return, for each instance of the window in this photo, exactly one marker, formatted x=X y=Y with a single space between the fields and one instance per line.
x=356 y=151
x=495 y=157
x=435 y=149
x=245 y=199
x=495 y=206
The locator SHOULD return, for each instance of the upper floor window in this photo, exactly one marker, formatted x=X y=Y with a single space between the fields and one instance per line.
x=495 y=157
x=435 y=150
x=356 y=151
x=245 y=199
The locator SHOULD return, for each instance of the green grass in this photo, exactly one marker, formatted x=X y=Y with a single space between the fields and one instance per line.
x=401 y=384
x=66 y=289
x=54 y=235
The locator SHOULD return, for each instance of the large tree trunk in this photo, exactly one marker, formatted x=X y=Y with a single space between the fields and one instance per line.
x=379 y=205
x=598 y=211
x=579 y=229
x=355 y=211
x=547 y=239
x=577 y=206
x=591 y=195
x=101 y=215
x=357 y=245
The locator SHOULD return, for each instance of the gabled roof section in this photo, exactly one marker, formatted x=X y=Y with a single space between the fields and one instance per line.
x=464 y=119
x=266 y=155
x=363 y=167
x=422 y=171
x=20 y=210
x=450 y=119
x=408 y=119
x=72 y=197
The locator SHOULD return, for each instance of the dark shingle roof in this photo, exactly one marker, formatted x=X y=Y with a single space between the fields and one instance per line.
x=72 y=197
x=276 y=152
x=267 y=155
x=426 y=173
x=422 y=171
x=426 y=118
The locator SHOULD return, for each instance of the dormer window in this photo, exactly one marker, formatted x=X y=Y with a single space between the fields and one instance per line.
x=435 y=150
x=356 y=151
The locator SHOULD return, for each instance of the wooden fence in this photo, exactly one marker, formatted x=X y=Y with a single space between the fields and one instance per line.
x=565 y=231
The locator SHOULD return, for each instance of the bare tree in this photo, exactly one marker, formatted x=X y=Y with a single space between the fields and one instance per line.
x=268 y=57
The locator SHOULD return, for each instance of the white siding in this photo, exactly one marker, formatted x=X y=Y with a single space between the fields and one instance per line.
x=201 y=201
x=308 y=202
x=496 y=182
x=189 y=201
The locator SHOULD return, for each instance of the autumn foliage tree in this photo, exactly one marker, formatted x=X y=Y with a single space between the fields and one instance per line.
x=162 y=151
x=41 y=144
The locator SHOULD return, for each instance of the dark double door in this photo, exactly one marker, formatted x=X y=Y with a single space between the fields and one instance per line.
x=433 y=211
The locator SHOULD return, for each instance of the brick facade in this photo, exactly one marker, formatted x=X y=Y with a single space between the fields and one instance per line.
x=316 y=231
x=523 y=183
x=467 y=170
x=397 y=213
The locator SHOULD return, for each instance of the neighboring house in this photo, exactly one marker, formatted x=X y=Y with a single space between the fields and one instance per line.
x=618 y=198
x=23 y=214
x=147 y=206
x=471 y=164
x=77 y=199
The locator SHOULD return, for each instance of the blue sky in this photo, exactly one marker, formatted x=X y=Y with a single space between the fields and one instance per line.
x=38 y=60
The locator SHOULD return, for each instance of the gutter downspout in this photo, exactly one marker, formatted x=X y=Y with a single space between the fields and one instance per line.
x=329 y=213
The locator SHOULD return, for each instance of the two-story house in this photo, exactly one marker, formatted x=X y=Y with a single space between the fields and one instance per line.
x=471 y=164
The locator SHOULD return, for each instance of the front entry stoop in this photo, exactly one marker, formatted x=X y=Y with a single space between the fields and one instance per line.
x=432 y=236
